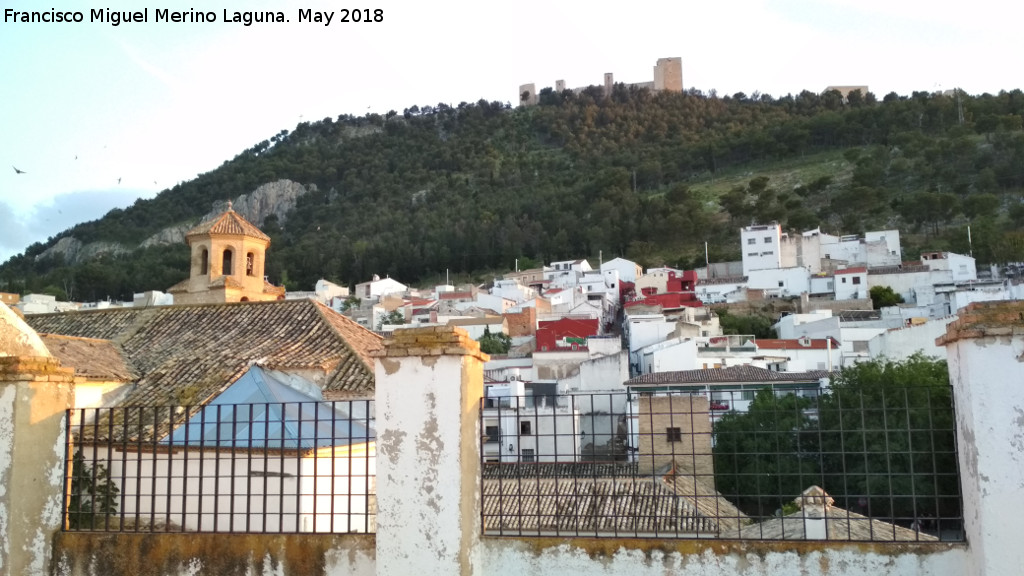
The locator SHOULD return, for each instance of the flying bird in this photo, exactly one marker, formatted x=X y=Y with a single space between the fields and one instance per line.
x=16 y=171
x=118 y=180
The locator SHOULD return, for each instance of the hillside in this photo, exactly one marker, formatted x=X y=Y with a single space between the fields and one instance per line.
x=471 y=188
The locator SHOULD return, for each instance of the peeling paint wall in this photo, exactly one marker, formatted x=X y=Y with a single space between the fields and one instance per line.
x=84 y=554
x=613 y=556
x=35 y=393
x=427 y=446
x=988 y=379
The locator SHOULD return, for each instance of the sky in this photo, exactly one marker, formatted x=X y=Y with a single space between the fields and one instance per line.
x=97 y=116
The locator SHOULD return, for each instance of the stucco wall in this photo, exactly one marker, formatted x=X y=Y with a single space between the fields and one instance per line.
x=659 y=557
x=84 y=554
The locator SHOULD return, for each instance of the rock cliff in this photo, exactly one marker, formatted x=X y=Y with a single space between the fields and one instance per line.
x=275 y=198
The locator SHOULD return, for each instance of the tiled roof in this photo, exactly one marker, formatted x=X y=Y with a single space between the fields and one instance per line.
x=795 y=344
x=228 y=223
x=854 y=270
x=708 y=501
x=91 y=358
x=730 y=375
x=727 y=280
x=188 y=354
x=455 y=296
x=581 y=506
x=840 y=524
x=485 y=321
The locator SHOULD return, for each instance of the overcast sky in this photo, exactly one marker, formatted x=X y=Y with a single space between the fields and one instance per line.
x=98 y=116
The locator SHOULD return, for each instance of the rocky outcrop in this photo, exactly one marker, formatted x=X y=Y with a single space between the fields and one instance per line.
x=171 y=235
x=275 y=198
x=74 y=251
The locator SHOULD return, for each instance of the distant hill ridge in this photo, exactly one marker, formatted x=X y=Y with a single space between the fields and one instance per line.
x=471 y=188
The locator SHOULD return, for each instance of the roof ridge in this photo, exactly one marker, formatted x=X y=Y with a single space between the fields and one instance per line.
x=322 y=310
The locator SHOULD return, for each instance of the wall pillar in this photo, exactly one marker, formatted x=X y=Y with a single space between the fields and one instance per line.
x=35 y=393
x=985 y=349
x=429 y=382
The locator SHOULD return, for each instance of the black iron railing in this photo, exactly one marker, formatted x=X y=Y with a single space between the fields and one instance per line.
x=751 y=462
x=272 y=467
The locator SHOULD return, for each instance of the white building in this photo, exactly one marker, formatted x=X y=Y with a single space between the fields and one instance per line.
x=535 y=428
x=804 y=353
x=761 y=247
x=851 y=283
x=628 y=270
x=780 y=282
x=900 y=343
x=513 y=290
x=668 y=356
x=766 y=247
x=377 y=288
x=962 y=268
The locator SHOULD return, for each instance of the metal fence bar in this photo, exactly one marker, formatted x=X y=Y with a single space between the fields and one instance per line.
x=740 y=463
x=168 y=484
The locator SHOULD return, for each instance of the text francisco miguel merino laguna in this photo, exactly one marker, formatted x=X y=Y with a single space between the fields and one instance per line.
x=115 y=17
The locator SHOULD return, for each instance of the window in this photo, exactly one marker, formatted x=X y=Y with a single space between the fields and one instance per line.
x=525 y=428
x=226 y=270
x=673 y=434
x=205 y=263
x=856 y=279
x=844 y=279
x=528 y=455
x=492 y=432
x=767 y=239
x=752 y=254
x=751 y=240
x=250 y=264
x=828 y=256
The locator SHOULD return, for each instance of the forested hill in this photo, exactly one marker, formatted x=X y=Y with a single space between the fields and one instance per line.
x=472 y=187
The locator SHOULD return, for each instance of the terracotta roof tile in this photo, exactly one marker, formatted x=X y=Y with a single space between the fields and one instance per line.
x=730 y=375
x=90 y=358
x=230 y=223
x=186 y=355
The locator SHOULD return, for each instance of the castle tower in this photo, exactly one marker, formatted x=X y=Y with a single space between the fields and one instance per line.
x=559 y=86
x=609 y=81
x=228 y=256
x=527 y=95
x=668 y=74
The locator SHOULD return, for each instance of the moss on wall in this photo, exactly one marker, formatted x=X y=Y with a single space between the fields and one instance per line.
x=159 y=554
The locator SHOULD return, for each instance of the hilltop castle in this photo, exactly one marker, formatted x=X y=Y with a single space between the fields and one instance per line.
x=668 y=75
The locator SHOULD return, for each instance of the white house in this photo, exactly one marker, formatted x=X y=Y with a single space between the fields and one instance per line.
x=804 y=353
x=781 y=282
x=512 y=290
x=851 y=283
x=273 y=429
x=522 y=428
x=668 y=356
x=378 y=287
x=765 y=246
x=628 y=270
x=962 y=268
x=761 y=247
x=901 y=343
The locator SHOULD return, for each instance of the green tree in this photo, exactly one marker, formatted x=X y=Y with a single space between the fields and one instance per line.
x=882 y=296
x=757 y=324
x=888 y=439
x=393 y=318
x=93 y=494
x=490 y=343
x=880 y=440
x=767 y=455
